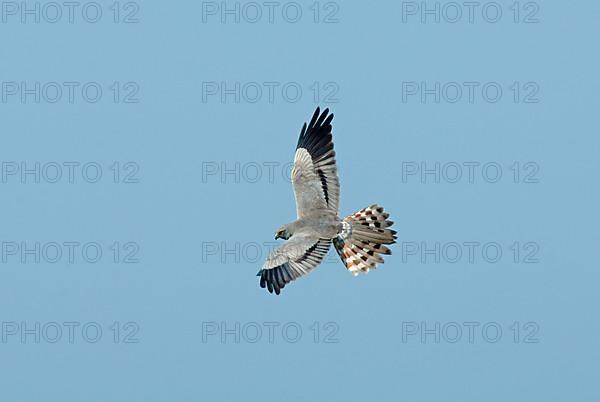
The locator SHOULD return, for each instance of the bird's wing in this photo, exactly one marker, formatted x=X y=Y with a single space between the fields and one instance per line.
x=300 y=255
x=314 y=176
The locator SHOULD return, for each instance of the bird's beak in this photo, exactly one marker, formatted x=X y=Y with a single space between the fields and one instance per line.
x=277 y=236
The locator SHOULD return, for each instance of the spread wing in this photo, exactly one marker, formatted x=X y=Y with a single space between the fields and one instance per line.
x=300 y=255
x=314 y=176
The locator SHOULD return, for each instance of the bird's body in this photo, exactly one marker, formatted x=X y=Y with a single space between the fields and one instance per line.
x=359 y=238
x=323 y=224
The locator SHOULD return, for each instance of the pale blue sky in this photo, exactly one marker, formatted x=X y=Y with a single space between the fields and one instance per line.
x=199 y=239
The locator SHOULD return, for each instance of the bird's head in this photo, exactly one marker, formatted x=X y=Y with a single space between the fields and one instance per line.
x=283 y=233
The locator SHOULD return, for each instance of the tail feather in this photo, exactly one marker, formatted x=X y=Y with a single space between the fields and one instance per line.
x=360 y=245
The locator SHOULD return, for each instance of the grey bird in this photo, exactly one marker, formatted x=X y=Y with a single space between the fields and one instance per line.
x=359 y=239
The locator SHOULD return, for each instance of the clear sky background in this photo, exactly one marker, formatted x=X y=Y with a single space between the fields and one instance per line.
x=181 y=242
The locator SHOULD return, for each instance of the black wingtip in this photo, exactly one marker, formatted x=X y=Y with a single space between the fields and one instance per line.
x=321 y=115
x=316 y=136
x=302 y=134
x=274 y=279
x=313 y=120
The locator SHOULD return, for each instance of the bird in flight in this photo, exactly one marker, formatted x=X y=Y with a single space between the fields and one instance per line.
x=359 y=239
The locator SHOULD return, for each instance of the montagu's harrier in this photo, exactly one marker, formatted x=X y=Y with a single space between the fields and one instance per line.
x=359 y=238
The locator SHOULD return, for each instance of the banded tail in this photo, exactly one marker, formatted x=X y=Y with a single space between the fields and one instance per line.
x=360 y=245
